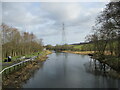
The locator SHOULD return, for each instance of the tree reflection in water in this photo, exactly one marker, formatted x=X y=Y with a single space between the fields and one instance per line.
x=98 y=68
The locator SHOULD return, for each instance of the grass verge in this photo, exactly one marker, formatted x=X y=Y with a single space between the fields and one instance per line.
x=17 y=78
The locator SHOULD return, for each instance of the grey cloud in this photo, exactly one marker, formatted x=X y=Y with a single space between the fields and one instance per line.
x=19 y=14
x=45 y=20
x=0 y=12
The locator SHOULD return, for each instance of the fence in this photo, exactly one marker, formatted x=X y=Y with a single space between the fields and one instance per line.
x=16 y=66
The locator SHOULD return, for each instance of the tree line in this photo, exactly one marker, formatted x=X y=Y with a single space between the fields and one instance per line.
x=59 y=47
x=106 y=32
x=16 y=43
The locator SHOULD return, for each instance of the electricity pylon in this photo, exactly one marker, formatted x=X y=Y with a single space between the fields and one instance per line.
x=63 y=35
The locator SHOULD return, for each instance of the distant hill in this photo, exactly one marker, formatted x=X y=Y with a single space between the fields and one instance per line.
x=82 y=43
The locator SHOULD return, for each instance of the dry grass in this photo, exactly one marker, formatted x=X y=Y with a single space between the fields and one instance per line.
x=16 y=79
x=88 y=52
x=80 y=52
x=44 y=55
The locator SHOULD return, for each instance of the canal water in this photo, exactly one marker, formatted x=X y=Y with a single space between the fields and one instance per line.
x=65 y=70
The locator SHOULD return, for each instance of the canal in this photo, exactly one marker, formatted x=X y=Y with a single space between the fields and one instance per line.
x=65 y=70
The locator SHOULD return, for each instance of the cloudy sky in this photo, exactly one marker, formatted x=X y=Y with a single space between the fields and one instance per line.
x=45 y=19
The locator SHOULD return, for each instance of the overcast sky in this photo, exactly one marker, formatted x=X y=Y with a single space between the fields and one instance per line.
x=45 y=19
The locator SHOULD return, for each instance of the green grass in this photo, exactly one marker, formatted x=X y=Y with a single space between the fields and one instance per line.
x=78 y=46
x=14 y=59
x=18 y=67
x=12 y=69
x=83 y=47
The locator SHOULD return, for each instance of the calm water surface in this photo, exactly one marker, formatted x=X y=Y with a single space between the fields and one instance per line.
x=65 y=70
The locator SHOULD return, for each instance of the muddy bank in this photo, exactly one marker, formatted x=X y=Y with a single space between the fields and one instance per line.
x=17 y=78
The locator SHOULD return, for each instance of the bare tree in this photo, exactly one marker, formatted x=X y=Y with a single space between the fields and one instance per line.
x=16 y=44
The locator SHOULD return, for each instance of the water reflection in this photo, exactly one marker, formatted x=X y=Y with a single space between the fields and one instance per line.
x=65 y=70
x=16 y=79
x=98 y=68
x=57 y=54
x=65 y=63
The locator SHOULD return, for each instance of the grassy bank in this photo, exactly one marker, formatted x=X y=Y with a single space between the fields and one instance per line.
x=111 y=61
x=43 y=56
x=17 y=78
x=17 y=59
x=85 y=52
x=80 y=52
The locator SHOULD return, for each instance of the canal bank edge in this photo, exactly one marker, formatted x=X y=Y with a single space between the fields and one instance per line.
x=114 y=74
x=78 y=52
x=15 y=79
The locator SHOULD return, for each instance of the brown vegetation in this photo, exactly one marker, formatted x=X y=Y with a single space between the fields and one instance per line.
x=15 y=80
x=15 y=43
x=106 y=32
x=80 y=52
